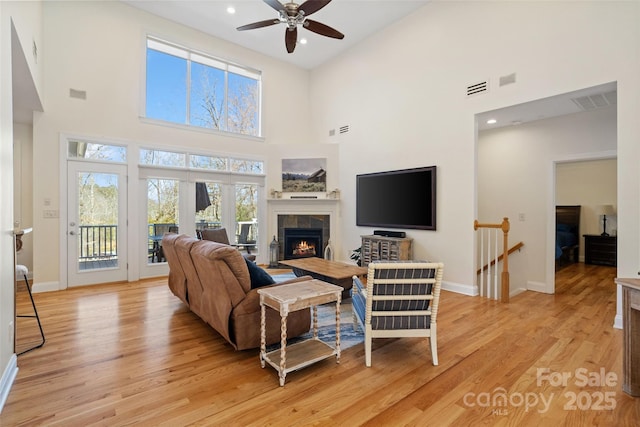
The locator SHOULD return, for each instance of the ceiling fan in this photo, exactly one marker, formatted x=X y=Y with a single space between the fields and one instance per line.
x=293 y=15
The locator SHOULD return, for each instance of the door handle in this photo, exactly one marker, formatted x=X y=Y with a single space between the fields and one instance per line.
x=73 y=233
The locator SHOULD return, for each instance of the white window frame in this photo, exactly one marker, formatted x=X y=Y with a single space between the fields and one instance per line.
x=192 y=55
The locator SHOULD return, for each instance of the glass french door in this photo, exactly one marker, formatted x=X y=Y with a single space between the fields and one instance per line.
x=163 y=214
x=96 y=223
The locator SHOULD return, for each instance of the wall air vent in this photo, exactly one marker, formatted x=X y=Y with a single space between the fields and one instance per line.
x=506 y=80
x=344 y=129
x=79 y=94
x=598 y=100
x=477 y=88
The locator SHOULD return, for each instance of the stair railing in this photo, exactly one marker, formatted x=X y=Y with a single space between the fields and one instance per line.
x=490 y=251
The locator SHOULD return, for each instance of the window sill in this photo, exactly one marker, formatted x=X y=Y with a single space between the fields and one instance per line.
x=157 y=122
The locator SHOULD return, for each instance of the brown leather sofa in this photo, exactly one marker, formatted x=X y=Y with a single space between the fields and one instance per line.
x=213 y=280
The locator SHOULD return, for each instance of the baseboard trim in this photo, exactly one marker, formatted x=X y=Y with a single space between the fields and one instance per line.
x=460 y=288
x=515 y=292
x=617 y=322
x=45 y=287
x=8 y=377
x=537 y=287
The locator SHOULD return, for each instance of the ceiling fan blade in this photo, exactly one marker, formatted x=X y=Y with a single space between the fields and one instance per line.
x=323 y=30
x=290 y=39
x=275 y=4
x=312 y=6
x=258 y=24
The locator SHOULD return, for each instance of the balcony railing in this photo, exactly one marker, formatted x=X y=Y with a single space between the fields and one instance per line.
x=98 y=242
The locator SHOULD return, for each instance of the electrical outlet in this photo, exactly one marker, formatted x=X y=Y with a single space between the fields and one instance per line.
x=10 y=334
x=520 y=217
x=50 y=213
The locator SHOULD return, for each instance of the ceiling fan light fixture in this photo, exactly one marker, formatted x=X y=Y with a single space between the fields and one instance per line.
x=231 y=10
x=303 y=41
x=294 y=15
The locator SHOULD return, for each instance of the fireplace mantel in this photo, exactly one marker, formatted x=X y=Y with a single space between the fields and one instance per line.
x=306 y=207
x=303 y=200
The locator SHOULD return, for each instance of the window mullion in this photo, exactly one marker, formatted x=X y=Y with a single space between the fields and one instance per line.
x=188 y=118
x=226 y=98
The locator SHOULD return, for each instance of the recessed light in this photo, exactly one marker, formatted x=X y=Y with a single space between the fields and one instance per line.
x=491 y=121
x=231 y=10
x=303 y=41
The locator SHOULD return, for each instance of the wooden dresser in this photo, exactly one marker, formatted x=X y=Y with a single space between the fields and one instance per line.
x=631 y=335
x=382 y=248
x=600 y=250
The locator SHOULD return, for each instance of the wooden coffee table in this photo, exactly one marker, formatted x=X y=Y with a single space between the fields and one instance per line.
x=334 y=272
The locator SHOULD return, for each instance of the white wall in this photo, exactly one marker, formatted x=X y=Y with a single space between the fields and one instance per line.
x=403 y=93
x=516 y=176
x=25 y=19
x=84 y=51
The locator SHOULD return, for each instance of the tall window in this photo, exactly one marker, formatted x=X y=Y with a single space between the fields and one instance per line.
x=194 y=89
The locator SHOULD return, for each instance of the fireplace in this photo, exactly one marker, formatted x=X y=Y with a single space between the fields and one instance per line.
x=303 y=243
x=313 y=230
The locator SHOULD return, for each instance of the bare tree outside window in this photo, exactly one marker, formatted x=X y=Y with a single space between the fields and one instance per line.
x=242 y=105
x=221 y=95
x=207 y=96
x=239 y=114
x=162 y=205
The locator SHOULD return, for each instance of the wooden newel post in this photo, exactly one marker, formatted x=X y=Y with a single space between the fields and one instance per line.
x=504 y=290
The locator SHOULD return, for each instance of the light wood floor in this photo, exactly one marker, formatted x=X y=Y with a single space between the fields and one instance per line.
x=133 y=354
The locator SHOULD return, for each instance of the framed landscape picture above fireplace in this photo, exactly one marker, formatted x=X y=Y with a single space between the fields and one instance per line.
x=304 y=175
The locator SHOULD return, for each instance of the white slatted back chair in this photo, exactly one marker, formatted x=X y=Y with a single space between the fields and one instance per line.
x=400 y=299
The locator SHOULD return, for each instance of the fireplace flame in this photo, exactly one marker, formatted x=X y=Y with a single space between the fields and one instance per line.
x=304 y=248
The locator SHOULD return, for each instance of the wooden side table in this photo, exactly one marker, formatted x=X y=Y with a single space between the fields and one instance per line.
x=631 y=335
x=293 y=297
x=600 y=250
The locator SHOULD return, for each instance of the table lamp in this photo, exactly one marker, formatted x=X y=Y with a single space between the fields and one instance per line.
x=605 y=210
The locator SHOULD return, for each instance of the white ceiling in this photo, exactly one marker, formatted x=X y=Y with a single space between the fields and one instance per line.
x=356 y=19
x=601 y=96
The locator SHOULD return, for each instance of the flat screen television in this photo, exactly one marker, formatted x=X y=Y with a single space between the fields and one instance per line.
x=397 y=199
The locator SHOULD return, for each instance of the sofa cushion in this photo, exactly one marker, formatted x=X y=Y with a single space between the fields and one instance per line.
x=177 y=278
x=258 y=276
x=183 y=245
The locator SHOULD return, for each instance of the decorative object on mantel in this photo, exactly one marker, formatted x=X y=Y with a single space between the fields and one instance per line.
x=274 y=253
x=275 y=194
x=328 y=251
x=335 y=194
x=304 y=175
x=605 y=210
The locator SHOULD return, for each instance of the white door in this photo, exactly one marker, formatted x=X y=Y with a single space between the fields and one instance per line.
x=96 y=223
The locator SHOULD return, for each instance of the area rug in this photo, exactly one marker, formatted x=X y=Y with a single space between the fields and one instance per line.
x=327 y=327
x=279 y=278
x=327 y=322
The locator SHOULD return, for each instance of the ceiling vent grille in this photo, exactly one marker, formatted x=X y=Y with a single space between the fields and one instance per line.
x=477 y=88
x=599 y=100
x=344 y=129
